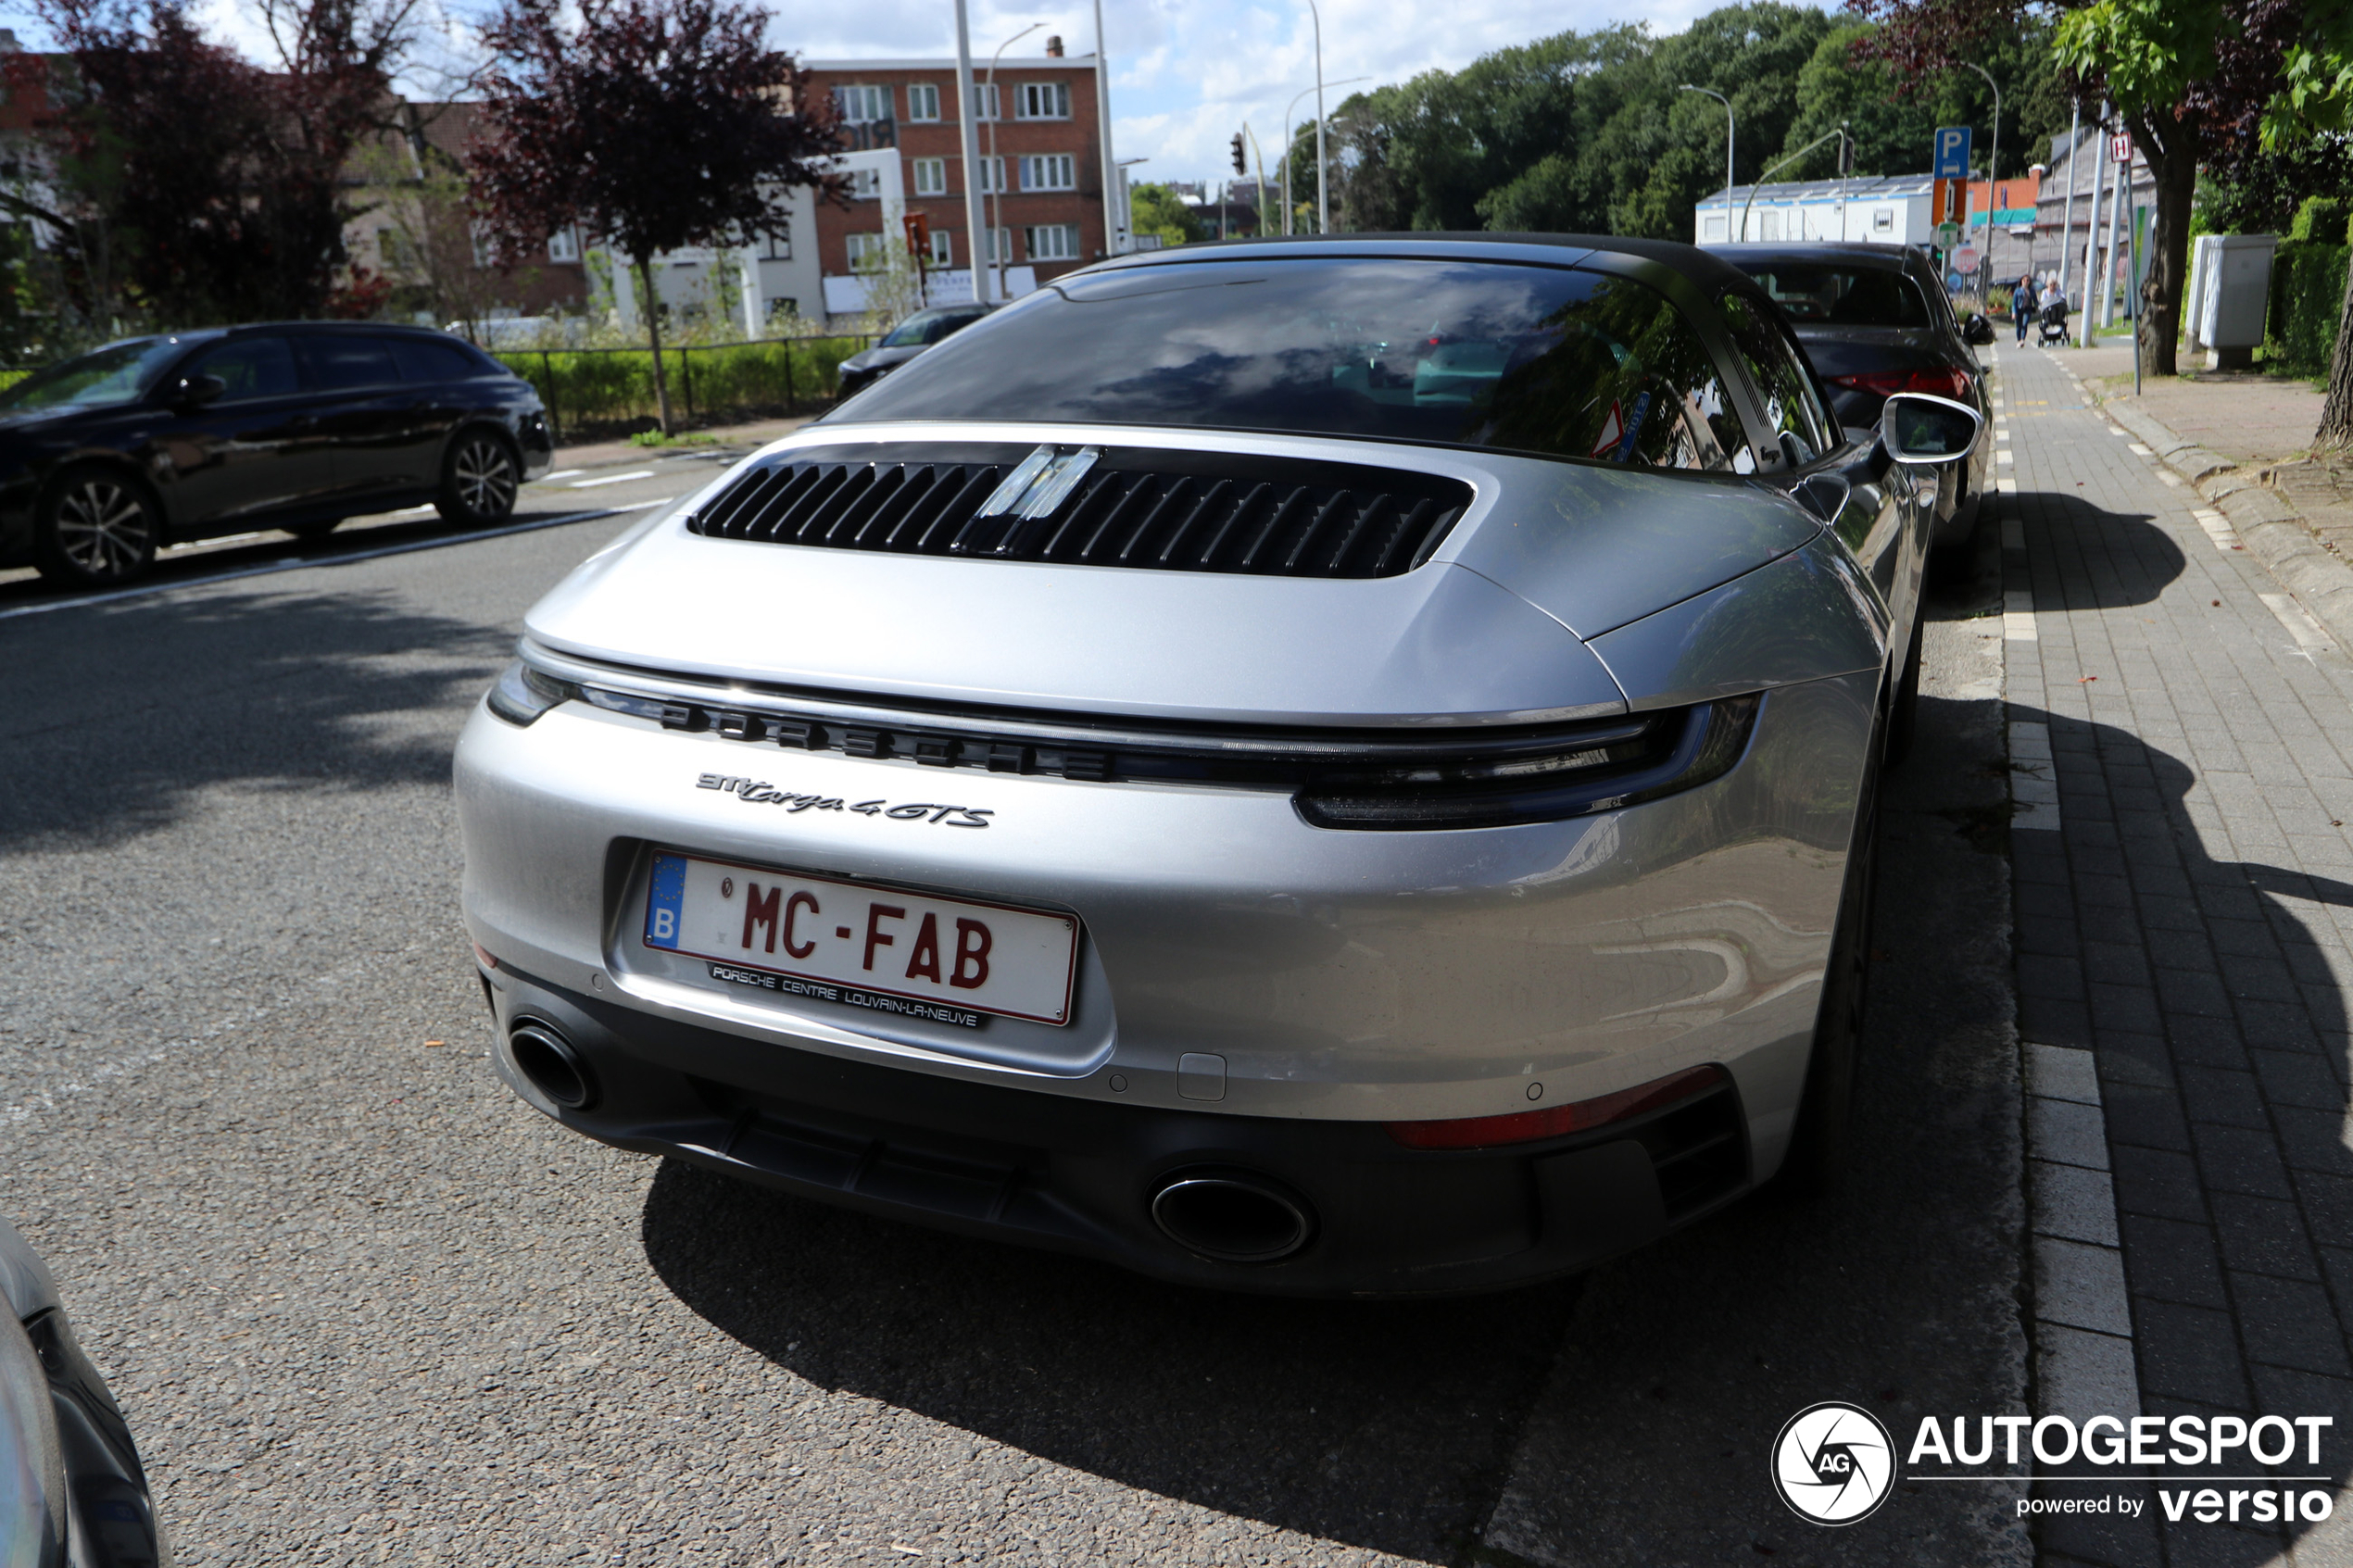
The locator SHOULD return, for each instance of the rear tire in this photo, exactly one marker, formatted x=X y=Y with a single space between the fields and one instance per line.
x=479 y=481
x=96 y=528
x=1820 y=1146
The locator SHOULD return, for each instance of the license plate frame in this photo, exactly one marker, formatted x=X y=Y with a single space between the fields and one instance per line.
x=1040 y=936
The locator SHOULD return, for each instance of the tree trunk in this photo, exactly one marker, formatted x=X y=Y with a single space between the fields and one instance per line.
x=2336 y=413
x=643 y=265
x=2172 y=149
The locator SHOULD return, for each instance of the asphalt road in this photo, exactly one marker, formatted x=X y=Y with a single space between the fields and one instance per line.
x=363 y=1306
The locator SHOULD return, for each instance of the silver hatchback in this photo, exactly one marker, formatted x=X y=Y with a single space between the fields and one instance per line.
x=1321 y=767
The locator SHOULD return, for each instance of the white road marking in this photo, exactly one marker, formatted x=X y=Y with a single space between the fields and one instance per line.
x=2140 y=451
x=2084 y=1328
x=2298 y=620
x=2218 y=528
x=611 y=479
x=2018 y=617
x=301 y=563
x=560 y=473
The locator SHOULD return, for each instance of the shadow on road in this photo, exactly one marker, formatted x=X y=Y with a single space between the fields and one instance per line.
x=1382 y=1424
x=114 y=716
x=2131 y=560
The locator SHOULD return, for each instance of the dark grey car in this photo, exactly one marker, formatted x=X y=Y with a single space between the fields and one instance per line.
x=1875 y=322
x=905 y=340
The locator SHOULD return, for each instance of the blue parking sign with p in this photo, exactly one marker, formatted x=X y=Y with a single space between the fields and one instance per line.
x=1952 y=152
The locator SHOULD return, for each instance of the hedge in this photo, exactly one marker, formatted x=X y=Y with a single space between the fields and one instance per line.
x=2308 y=285
x=610 y=385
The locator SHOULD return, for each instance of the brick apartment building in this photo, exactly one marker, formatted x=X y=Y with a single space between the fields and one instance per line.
x=1040 y=147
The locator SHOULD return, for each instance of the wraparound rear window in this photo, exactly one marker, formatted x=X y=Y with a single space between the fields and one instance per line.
x=1556 y=362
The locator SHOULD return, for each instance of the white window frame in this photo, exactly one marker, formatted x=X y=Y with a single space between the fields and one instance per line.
x=1042 y=100
x=862 y=245
x=943 y=250
x=563 y=246
x=987 y=98
x=1062 y=241
x=1050 y=172
x=776 y=247
x=923 y=101
x=927 y=176
x=862 y=103
x=1882 y=219
x=865 y=184
x=1001 y=241
x=1711 y=228
x=992 y=177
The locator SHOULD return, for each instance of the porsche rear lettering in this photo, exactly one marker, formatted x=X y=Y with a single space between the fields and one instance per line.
x=759 y=792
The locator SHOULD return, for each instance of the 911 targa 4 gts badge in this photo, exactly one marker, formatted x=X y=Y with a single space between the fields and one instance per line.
x=759 y=792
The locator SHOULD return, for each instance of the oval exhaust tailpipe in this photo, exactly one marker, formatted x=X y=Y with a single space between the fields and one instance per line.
x=543 y=1055
x=1232 y=1216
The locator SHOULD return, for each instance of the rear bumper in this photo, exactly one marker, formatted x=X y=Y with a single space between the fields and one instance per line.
x=1078 y=1175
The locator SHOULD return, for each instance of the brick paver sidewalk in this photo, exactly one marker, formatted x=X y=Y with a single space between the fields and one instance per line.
x=2185 y=914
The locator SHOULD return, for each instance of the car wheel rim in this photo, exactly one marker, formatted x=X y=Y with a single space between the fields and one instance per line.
x=485 y=478
x=102 y=529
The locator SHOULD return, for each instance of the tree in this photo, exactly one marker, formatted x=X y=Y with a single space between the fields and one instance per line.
x=191 y=184
x=1156 y=209
x=1892 y=118
x=655 y=124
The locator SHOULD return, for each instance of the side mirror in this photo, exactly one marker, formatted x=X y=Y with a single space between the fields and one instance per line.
x=195 y=392
x=1918 y=428
x=1979 y=329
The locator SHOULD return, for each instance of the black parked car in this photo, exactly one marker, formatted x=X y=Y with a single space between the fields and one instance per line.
x=72 y=1493
x=1875 y=320
x=905 y=340
x=299 y=425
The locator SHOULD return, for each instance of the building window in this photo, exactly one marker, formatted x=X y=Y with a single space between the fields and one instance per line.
x=1769 y=224
x=943 y=254
x=922 y=101
x=865 y=184
x=1883 y=219
x=992 y=177
x=1050 y=172
x=564 y=245
x=1044 y=100
x=1000 y=246
x=866 y=250
x=1711 y=228
x=931 y=176
x=1051 y=241
x=776 y=247
x=985 y=96
x=860 y=106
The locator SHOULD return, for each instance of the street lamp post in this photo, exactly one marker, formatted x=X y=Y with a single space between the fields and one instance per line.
x=1323 y=201
x=968 y=148
x=1992 y=174
x=1287 y=132
x=997 y=189
x=1720 y=97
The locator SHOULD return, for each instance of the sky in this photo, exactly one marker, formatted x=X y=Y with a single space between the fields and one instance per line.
x=1186 y=74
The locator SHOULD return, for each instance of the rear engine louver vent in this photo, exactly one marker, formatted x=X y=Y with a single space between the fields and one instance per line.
x=1168 y=511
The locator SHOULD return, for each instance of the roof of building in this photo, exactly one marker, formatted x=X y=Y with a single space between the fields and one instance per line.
x=1011 y=62
x=1786 y=192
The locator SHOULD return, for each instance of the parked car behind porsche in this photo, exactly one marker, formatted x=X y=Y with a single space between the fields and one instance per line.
x=1324 y=766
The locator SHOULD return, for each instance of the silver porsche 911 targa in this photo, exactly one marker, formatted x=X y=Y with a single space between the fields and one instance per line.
x=1329 y=766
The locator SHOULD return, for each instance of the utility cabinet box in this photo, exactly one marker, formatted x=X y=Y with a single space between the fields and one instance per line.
x=2229 y=295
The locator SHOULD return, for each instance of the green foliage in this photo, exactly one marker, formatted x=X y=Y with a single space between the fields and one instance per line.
x=1155 y=210
x=2307 y=292
x=2149 y=52
x=1589 y=133
x=603 y=386
x=2322 y=219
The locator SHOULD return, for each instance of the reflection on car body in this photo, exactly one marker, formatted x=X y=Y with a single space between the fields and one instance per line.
x=1440 y=679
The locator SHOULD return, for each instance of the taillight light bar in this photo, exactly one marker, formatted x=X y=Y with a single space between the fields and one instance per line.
x=1529 y=1127
x=1938 y=381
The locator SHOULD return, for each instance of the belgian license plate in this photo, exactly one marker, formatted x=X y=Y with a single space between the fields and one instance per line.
x=911 y=954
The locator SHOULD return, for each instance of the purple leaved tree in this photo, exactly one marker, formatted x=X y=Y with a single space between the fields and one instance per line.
x=653 y=124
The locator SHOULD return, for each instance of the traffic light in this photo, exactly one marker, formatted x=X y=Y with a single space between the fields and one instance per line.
x=1241 y=164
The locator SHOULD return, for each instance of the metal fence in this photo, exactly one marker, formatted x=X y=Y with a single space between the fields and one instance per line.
x=613 y=385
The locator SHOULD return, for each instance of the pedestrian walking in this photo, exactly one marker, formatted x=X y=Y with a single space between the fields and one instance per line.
x=2022 y=302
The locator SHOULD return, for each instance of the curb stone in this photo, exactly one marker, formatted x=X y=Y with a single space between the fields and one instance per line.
x=2273 y=533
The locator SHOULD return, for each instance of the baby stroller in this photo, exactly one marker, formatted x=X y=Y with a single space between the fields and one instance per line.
x=2053 y=320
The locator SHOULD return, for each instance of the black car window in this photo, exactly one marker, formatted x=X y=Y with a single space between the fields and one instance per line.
x=1538 y=359
x=1845 y=297
x=422 y=359
x=252 y=368
x=1783 y=384
x=340 y=362
x=102 y=378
